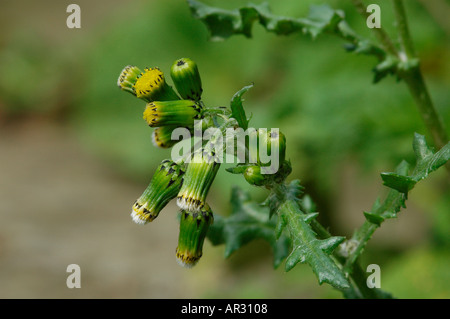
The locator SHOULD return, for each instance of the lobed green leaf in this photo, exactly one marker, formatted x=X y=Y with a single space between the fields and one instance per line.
x=248 y=221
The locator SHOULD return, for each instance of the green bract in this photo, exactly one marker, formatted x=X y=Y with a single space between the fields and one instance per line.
x=193 y=229
x=162 y=137
x=172 y=113
x=128 y=78
x=163 y=187
x=186 y=78
x=200 y=174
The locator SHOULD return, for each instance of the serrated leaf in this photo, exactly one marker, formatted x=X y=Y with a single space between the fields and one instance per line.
x=321 y=19
x=294 y=189
x=427 y=161
x=308 y=249
x=225 y=23
x=400 y=184
x=330 y=244
x=388 y=66
x=237 y=110
x=248 y=221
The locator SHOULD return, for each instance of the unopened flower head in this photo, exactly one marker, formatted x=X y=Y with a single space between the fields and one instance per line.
x=128 y=78
x=151 y=86
x=272 y=150
x=193 y=229
x=199 y=176
x=181 y=113
x=253 y=175
x=185 y=76
x=163 y=187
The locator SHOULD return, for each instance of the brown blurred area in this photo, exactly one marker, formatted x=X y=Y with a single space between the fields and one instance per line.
x=60 y=205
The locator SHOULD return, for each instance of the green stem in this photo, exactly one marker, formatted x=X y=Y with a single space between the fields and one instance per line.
x=403 y=30
x=416 y=85
x=413 y=77
x=358 y=276
x=381 y=35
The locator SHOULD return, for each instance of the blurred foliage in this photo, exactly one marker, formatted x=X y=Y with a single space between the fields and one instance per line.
x=319 y=95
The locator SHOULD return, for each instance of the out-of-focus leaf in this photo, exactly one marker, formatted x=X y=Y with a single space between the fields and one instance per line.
x=321 y=19
x=248 y=221
x=224 y=23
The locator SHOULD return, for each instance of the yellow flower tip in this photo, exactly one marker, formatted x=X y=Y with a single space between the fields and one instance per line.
x=149 y=82
x=141 y=215
x=150 y=114
x=186 y=260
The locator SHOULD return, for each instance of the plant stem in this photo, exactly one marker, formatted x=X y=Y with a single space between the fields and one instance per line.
x=415 y=81
x=381 y=35
x=411 y=72
x=357 y=278
x=416 y=85
x=403 y=30
x=413 y=78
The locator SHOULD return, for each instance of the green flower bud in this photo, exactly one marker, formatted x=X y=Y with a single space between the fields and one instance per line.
x=253 y=176
x=275 y=141
x=128 y=78
x=172 y=113
x=151 y=86
x=199 y=176
x=185 y=76
x=163 y=187
x=193 y=229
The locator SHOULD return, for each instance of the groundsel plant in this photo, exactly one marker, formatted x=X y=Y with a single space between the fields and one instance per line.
x=214 y=135
x=286 y=219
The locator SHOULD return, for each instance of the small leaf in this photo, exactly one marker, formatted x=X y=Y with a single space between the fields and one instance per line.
x=420 y=147
x=374 y=218
x=330 y=244
x=401 y=183
x=239 y=169
x=386 y=67
x=309 y=217
x=281 y=224
x=237 y=110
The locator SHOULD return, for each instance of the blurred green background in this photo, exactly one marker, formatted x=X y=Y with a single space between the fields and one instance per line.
x=75 y=152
